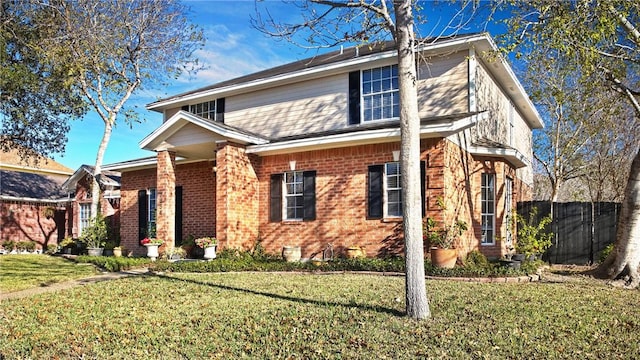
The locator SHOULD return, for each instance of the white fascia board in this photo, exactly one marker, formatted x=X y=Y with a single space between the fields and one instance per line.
x=146 y=163
x=512 y=155
x=360 y=138
x=33 y=200
x=181 y=118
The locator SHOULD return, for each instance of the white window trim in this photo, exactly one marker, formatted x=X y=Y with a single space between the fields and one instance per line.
x=385 y=191
x=285 y=195
x=87 y=211
x=193 y=110
x=151 y=213
x=508 y=210
x=492 y=214
x=362 y=96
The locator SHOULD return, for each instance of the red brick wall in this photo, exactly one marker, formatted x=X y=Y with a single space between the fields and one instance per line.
x=237 y=200
x=341 y=203
x=198 y=199
x=20 y=221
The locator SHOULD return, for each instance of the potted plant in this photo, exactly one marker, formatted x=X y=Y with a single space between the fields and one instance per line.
x=442 y=241
x=152 y=245
x=108 y=248
x=208 y=243
x=532 y=239
x=188 y=246
x=67 y=244
x=95 y=235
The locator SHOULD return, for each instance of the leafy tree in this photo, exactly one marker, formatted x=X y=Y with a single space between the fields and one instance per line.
x=36 y=96
x=603 y=40
x=111 y=49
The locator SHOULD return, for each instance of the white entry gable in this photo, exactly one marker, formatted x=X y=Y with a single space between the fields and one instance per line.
x=191 y=136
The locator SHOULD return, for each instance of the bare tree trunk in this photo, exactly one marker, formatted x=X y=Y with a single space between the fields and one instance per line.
x=623 y=262
x=97 y=171
x=417 y=304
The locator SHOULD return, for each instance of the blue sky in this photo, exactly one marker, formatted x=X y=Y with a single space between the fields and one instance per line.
x=233 y=48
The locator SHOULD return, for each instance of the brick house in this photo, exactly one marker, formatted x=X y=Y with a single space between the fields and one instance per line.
x=78 y=187
x=306 y=153
x=33 y=206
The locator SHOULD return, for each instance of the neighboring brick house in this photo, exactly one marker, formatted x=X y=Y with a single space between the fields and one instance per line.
x=78 y=186
x=33 y=206
x=306 y=153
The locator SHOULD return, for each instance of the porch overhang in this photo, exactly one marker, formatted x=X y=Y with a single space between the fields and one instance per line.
x=513 y=156
x=193 y=137
x=429 y=128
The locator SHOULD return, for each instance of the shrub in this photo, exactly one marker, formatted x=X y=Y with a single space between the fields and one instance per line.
x=9 y=245
x=532 y=239
x=95 y=234
x=110 y=263
x=476 y=259
x=51 y=249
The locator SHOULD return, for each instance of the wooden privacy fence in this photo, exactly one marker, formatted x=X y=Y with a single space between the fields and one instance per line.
x=581 y=230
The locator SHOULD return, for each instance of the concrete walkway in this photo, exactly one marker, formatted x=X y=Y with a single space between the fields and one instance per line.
x=73 y=283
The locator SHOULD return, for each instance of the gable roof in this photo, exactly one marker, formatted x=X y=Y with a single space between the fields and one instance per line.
x=11 y=160
x=351 y=59
x=108 y=178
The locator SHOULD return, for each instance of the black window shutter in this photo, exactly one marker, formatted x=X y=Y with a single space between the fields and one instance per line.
x=178 y=222
x=275 y=194
x=374 y=197
x=142 y=214
x=354 y=98
x=185 y=107
x=423 y=177
x=220 y=110
x=309 y=195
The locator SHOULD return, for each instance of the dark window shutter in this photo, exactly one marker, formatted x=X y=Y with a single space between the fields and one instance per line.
x=423 y=177
x=142 y=214
x=275 y=194
x=309 y=195
x=374 y=197
x=185 y=107
x=220 y=110
x=354 y=98
x=178 y=230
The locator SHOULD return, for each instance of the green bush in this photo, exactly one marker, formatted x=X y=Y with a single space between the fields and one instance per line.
x=532 y=237
x=96 y=233
x=51 y=249
x=113 y=264
x=9 y=245
x=476 y=259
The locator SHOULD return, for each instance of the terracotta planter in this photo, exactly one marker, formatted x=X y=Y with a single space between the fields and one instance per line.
x=444 y=258
x=291 y=253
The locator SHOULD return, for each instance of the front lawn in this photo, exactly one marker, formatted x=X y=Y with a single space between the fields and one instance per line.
x=262 y=315
x=19 y=272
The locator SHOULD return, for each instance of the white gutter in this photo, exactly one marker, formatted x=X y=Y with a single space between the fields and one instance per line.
x=27 y=199
x=362 y=137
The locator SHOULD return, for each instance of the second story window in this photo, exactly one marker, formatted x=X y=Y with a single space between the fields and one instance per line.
x=380 y=95
x=212 y=110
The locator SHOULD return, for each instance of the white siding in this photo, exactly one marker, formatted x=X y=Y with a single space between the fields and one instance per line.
x=301 y=108
x=191 y=134
x=443 y=85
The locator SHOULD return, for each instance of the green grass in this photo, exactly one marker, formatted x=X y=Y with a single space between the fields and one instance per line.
x=254 y=315
x=19 y=272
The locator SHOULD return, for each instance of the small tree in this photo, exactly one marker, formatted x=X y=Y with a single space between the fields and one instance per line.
x=533 y=239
